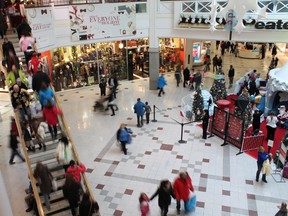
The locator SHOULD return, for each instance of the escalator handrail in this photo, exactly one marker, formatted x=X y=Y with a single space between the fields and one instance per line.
x=62 y=118
x=32 y=179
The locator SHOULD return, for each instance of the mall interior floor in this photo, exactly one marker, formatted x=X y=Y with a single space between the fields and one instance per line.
x=225 y=183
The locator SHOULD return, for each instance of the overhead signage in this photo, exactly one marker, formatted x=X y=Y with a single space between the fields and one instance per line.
x=88 y=21
x=272 y=25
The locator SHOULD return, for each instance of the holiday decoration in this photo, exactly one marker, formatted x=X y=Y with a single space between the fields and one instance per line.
x=198 y=105
x=243 y=109
x=282 y=153
x=218 y=89
x=240 y=8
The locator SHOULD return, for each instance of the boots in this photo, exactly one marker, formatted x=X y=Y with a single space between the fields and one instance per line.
x=264 y=178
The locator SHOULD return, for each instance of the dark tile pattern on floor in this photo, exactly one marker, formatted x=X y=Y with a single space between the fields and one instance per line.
x=128 y=192
x=166 y=147
x=100 y=186
x=88 y=170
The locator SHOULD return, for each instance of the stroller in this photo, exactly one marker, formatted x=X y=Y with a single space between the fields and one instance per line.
x=99 y=104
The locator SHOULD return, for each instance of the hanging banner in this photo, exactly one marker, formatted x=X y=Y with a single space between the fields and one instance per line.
x=41 y=21
x=89 y=22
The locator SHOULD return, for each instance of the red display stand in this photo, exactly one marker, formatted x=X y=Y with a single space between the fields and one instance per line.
x=224 y=104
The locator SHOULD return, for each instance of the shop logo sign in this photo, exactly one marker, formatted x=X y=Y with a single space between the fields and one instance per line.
x=272 y=25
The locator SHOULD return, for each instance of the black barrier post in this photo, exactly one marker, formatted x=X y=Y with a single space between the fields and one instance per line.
x=182 y=127
x=154 y=111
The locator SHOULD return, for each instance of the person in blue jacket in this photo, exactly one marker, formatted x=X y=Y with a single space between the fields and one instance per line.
x=262 y=156
x=45 y=94
x=139 y=109
x=161 y=83
x=123 y=137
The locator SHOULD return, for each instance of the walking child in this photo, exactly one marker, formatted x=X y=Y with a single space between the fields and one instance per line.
x=144 y=204
x=147 y=112
x=50 y=114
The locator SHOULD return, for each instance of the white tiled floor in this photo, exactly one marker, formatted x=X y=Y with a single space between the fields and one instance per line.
x=117 y=180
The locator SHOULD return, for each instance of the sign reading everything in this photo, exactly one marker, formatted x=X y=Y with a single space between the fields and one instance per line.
x=89 y=22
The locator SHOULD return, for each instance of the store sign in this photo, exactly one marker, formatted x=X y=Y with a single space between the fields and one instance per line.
x=41 y=21
x=271 y=25
x=88 y=22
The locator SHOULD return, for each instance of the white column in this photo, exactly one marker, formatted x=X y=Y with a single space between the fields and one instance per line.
x=189 y=53
x=153 y=45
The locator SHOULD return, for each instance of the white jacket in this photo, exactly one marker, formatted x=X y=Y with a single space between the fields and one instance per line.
x=42 y=128
x=64 y=154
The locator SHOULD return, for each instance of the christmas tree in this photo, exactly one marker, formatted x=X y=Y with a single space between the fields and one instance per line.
x=242 y=112
x=218 y=89
x=198 y=105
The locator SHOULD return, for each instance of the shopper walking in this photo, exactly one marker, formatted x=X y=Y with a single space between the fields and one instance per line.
x=262 y=156
x=231 y=74
x=102 y=86
x=139 y=109
x=144 y=204
x=14 y=148
x=71 y=191
x=20 y=99
x=178 y=74
x=111 y=102
x=87 y=206
x=44 y=180
x=205 y=122
x=283 y=211
x=7 y=46
x=39 y=78
x=271 y=125
x=148 y=110
x=186 y=75
x=220 y=62
x=13 y=75
x=215 y=63
x=76 y=170
x=50 y=115
x=41 y=134
x=113 y=84
x=164 y=193
x=123 y=137
x=46 y=94
x=161 y=83
x=64 y=152
x=182 y=187
x=27 y=134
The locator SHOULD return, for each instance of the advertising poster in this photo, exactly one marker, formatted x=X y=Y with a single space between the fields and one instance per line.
x=219 y=122
x=41 y=20
x=90 y=21
x=196 y=51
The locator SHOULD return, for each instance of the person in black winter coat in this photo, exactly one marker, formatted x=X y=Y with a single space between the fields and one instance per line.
x=14 y=148
x=253 y=90
x=205 y=122
x=186 y=75
x=231 y=74
x=71 y=191
x=164 y=193
x=87 y=206
x=102 y=86
x=256 y=122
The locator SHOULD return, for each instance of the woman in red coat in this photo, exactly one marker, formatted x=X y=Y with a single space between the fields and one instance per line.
x=76 y=170
x=50 y=114
x=182 y=187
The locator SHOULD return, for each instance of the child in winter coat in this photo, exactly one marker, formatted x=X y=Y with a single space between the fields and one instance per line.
x=27 y=133
x=144 y=204
x=164 y=193
x=64 y=152
x=40 y=136
x=50 y=114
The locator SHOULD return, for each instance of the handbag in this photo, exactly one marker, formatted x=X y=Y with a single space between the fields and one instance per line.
x=191 y=203
x=54 y=185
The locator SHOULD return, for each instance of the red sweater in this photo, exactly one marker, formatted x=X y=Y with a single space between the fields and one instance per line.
x=75 y=171
x=50 y=115
x=182 y=188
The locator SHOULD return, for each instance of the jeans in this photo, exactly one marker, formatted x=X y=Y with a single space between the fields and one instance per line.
x=147 y=118
x=54 y=131
x=123 y=146
x=47 y=202
x=161 y=91
x=231 y=81
x=22 y=112
x=259 y=166
x=14 y=153
x=139 y=120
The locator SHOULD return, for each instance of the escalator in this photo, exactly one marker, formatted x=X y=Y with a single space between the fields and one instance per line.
x=59 y=205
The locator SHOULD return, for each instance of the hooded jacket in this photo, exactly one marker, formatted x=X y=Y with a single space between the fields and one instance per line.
x=182 y=188
x=76 y=171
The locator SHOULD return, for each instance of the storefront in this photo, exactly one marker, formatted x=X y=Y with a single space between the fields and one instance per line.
x=85 y=65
